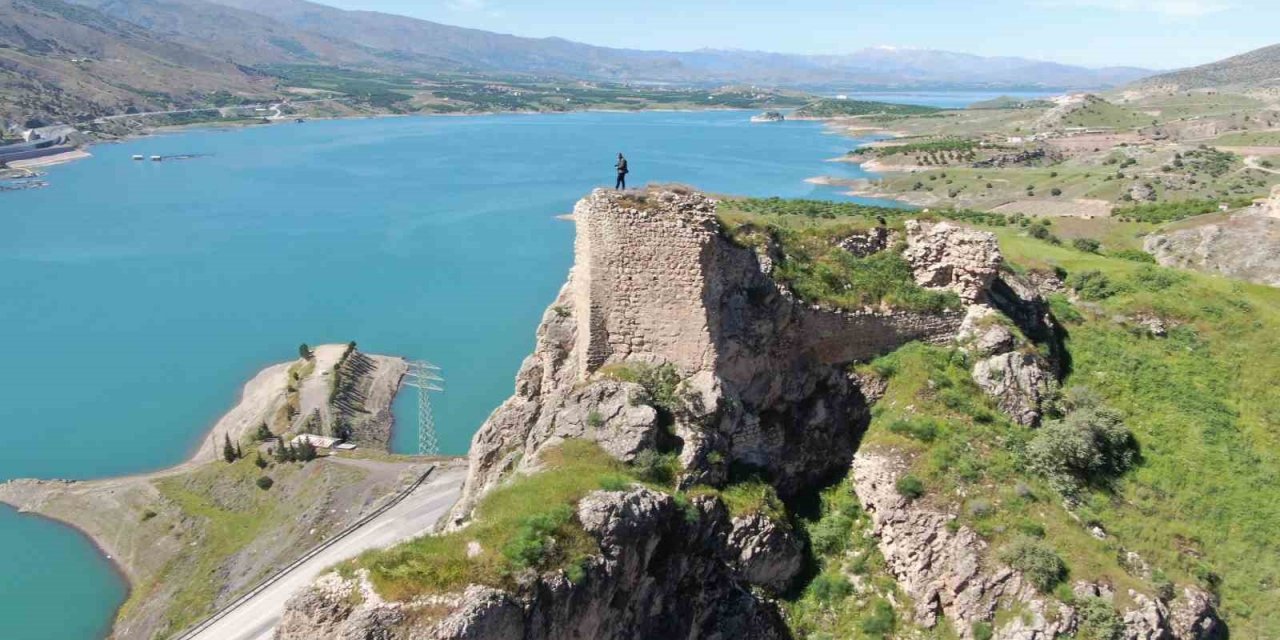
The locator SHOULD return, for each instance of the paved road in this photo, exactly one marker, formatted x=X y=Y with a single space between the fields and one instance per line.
x=255 y=619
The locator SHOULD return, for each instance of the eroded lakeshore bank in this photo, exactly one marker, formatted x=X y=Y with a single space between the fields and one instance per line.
x=187 y=538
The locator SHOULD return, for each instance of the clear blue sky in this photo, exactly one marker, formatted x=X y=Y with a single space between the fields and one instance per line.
x=1151 y=33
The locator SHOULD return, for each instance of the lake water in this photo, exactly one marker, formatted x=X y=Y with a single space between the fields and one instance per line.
x=138 y=297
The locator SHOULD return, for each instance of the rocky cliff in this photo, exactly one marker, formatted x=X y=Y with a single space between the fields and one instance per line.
x=669 y=336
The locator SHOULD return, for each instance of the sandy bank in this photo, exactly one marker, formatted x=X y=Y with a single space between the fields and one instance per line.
x=144 y=525
x=48 y=161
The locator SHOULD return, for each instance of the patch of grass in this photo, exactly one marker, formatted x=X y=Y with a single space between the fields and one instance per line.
x=528 y=523
x=752 y=497
x=807 y=233
x=231 y=512
x=1201 y=505
x=830 y=606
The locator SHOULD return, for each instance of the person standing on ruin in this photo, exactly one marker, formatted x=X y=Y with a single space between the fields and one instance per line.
x=622 y=173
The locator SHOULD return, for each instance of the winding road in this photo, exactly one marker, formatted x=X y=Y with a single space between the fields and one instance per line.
x=256 y=618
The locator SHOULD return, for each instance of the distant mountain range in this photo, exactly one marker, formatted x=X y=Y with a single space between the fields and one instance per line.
x=880 y=67
x=146 y=54
x=1256 y=69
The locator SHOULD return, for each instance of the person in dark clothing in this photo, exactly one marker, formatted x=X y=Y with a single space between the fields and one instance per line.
x=622 y=173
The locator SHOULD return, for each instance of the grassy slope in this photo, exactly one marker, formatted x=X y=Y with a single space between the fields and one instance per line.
x=1203 y=406
x=231 y=513
x=1199 y=508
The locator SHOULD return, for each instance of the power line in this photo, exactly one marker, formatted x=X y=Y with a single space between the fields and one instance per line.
x=425 y=377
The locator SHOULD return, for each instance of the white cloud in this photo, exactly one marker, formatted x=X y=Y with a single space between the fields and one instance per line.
x=1173 y=8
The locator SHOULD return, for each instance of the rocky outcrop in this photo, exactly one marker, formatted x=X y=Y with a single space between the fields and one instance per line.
x=949 y=573
x=664 y=572
x=947 y=256
x=767 y=553
x=945 y=568
x=1245 y=245
x=655 y=281
x=1019 y=383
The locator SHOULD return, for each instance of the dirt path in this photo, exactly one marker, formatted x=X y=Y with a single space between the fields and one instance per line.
x=1254 y=162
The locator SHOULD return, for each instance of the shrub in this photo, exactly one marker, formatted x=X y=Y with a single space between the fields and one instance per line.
x=830 y=535
x=982 y=631
x=655 y=467
x=1153 y=278
x=259 y=461
x=1099 y=620
x=1087 y=245
x=980 y=508
x=148 y=514
x=533 y=543
x=1092 y=285
x=265 y=482
x=830 y=587
x=1037 y=561
x=880 y=620
x=1088 y=446
x=595 y=420
x=910 y=487
x=1055 y=191
x=1133 y=255
x=923 y=430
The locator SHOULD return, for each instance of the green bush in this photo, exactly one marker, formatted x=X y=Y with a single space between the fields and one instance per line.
x=830 y=535
x=1133 y=255
x=265 y=482
x=910 y=487
x=1087 y=245
x=1099 y=620
x=830 y=587
x=921 y=429
x=982 y=631
x=1090 y=445
x=533 y=543
x=1037 y=561
x=651 y=466
x=880 y=620
x=1153 y=278
x=1092 y=285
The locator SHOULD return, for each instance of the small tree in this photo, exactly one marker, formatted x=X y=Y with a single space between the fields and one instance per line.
x=260 y=461
x=306 y=451
x=305 y=352
x=1090 y=445
x=228 y=451
x=263 y=433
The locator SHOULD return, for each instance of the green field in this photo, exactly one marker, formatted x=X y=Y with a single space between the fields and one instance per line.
x=1249 y=139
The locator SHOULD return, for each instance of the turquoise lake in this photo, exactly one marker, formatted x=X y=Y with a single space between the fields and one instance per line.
x=138 y=297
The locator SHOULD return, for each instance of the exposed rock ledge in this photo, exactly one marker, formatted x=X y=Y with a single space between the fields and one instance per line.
x=663 y=573
x=949 y=574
